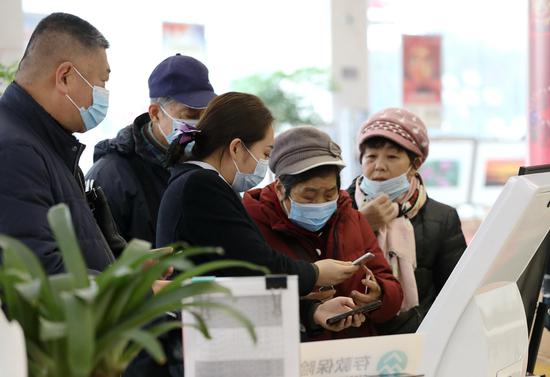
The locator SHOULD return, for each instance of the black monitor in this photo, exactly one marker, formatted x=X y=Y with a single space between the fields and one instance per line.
x=530 y=282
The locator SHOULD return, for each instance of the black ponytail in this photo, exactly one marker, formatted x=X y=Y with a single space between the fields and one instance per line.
x=228 y=116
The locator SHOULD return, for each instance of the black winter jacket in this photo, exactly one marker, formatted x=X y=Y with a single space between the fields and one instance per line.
x=200 y=208
x=133 y=180
x=39 y=169
x=439 y=245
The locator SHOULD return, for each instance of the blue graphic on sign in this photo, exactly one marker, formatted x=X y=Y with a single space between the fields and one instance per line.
x=392 y=362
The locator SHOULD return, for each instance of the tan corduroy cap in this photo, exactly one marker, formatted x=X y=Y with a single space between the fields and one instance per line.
x=303 y=148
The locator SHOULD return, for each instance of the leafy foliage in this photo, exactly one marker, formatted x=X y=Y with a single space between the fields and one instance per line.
x=7 y=75
x=79 y=325
x=284 y=93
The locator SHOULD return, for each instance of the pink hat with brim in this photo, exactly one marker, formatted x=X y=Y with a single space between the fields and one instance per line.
x=400 y=126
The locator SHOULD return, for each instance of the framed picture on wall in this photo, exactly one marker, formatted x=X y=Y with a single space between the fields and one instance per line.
x=495 y=163
x=187 y=39
x=448 y=169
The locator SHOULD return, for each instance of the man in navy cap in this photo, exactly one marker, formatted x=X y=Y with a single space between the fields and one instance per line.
x=130 y=168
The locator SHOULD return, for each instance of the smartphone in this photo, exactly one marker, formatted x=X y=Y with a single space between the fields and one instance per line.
x=363 y=258
x=360 y=309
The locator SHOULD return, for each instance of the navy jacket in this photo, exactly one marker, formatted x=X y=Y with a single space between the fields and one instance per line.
x=133 y=180
x=38 y=169
x=200 y=208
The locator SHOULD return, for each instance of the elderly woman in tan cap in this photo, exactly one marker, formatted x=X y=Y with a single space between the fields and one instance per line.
x=306 y=216
x=421 y=238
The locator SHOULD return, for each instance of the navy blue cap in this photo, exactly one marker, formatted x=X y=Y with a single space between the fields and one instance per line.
x=184 y=79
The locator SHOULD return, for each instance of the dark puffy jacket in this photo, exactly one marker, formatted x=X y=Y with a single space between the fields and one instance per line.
x=133 y=180
x=439 y=245
x=39 y=169
x=200 y=208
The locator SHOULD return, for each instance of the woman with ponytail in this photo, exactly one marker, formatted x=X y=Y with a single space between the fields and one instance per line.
x=212 y=164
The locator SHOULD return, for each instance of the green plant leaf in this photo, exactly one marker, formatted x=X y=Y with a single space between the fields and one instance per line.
x=38 y=357
x=247 y=324
x=30 y=291
x=133 y=256
x=80 y=335
x=18 y=308
x=101 y=307
x=50 y=330
x=191 y=251
x=88 y=294
x=149 y=343
x=59 y=218
x=61 y=282
x=17 y=257
x=120 y=302
x=207 y=267
x=150 y=275
x=201 y=324
x=155 y=306
x=155 y=331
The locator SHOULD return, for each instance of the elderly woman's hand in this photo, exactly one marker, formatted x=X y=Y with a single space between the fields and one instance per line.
x=373 y=289
x=322 y=294
x=379 y=211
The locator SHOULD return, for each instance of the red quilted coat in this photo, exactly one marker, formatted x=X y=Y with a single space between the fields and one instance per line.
x=346 y=236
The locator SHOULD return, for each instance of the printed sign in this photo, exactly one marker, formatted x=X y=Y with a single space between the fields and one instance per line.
x=371 y=356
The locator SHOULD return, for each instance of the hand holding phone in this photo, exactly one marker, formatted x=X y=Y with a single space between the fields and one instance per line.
x=360 y=309
x=363 y=258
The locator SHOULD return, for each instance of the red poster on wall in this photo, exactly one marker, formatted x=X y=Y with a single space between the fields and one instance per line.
x=422 y=77
x=539 y=82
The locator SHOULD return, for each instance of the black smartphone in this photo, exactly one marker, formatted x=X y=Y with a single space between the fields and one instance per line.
x=360 y=309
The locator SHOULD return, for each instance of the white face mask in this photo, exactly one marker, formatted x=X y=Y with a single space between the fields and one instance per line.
x=245 y=181
x=94 y=114
x=393 y=187
x=177 y=124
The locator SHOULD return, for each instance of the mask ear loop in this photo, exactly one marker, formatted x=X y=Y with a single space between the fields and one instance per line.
x=86 y=81
x=250 y=153
x=82 y=77
x=73 y=102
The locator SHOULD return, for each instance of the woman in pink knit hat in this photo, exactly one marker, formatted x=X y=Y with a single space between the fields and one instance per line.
x=421 y=238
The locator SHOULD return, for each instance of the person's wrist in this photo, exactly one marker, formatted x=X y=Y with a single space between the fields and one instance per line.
x=316 y=271
x=314 y=323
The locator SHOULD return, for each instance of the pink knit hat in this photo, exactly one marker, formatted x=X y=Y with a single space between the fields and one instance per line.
x=400 y=126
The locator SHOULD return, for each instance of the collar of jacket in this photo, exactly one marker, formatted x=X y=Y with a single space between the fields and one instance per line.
x=145 y=147
x=38 y=121
x=131 y=140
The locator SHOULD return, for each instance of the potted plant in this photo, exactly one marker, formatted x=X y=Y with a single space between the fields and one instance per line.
x=78 y=325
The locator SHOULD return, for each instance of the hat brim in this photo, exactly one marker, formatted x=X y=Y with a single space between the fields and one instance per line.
x=399 y=140
x=195 y=100
x=311 y=163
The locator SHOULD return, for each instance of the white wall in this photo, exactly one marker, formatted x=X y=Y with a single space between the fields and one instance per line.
x=243 y=37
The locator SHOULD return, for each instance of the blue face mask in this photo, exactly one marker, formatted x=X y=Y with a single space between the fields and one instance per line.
x=245 y=181
x=175 y=126
x=311 y=217
x=393 y=187
x=94 y=114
